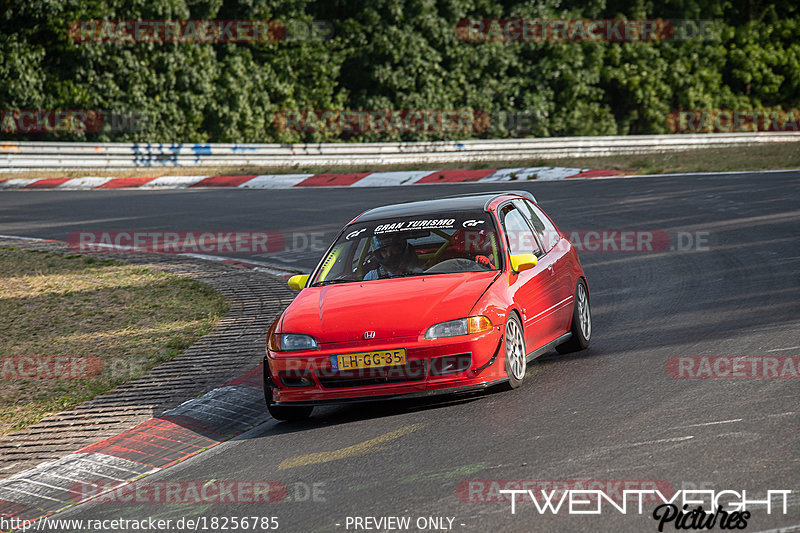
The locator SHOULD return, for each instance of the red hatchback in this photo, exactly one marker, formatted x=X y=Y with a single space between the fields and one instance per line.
x=429 y=297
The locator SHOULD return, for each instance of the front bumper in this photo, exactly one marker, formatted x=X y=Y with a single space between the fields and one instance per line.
x=464 y=389
x=439 y=366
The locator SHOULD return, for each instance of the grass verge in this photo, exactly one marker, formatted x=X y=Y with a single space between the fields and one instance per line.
x=76 y=326
x=767 y=156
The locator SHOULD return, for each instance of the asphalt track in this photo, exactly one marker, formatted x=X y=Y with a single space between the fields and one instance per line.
x=609 y=413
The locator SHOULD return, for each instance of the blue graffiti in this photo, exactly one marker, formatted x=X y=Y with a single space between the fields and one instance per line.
x=241 y=149
x=200 y=149
x=149 y=155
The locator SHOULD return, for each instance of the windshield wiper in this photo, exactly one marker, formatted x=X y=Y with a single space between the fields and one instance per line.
x=332 y=282
x=407 y=275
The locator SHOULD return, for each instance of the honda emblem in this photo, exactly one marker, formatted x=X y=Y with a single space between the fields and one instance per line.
x=369 y=335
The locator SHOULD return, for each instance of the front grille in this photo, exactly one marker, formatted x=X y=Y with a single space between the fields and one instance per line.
x=411 y=371
x=296 y=378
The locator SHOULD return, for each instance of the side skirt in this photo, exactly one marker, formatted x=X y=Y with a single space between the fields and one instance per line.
x=547 y=347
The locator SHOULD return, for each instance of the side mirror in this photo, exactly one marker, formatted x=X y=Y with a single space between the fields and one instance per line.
x=298 y=282
x=520 y=262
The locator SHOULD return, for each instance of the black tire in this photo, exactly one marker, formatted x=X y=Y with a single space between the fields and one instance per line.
x=581 y=328
x=286 y=413
x=514 y=354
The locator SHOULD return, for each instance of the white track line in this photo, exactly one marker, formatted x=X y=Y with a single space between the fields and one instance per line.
x=659 y=441
x=709 y=423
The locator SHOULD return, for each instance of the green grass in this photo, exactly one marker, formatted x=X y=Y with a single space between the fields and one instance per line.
x=115 y=321
x=762 y=157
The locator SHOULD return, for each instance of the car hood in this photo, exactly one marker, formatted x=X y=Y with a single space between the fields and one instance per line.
x=402 y=307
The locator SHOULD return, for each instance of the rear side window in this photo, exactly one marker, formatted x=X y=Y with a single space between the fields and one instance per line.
x=548 y=234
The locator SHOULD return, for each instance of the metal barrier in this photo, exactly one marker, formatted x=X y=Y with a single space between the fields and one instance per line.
x=21 y=156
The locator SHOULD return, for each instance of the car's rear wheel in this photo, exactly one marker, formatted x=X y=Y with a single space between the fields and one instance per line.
x=286 y=413
x=581 y=328
x=515 y=355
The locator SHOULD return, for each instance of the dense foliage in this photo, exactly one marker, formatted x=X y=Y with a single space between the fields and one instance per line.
x=392 y=55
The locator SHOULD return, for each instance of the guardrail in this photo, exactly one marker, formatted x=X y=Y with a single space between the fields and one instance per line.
x=21 y=156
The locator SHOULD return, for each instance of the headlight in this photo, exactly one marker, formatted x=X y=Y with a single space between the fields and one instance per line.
x=287 y=342
x=462 y=326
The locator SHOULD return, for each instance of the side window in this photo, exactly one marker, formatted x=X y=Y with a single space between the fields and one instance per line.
x=519 y=234
x=548 y=234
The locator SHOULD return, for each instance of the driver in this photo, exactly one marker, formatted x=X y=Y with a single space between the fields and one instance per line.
x=394 y=257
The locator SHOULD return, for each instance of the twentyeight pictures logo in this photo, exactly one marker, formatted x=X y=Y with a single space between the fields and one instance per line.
x=683 y=509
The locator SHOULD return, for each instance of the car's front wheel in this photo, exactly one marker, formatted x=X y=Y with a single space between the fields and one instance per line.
x=287 y=413
x=515 y=355
x=581 y=328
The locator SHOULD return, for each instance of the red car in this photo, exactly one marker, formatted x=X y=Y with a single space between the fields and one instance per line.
x=428 y=297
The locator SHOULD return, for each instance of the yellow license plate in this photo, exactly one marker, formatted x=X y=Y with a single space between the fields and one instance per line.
x=377 y=358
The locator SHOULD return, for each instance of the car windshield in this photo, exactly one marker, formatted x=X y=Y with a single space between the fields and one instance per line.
x=437 y=243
